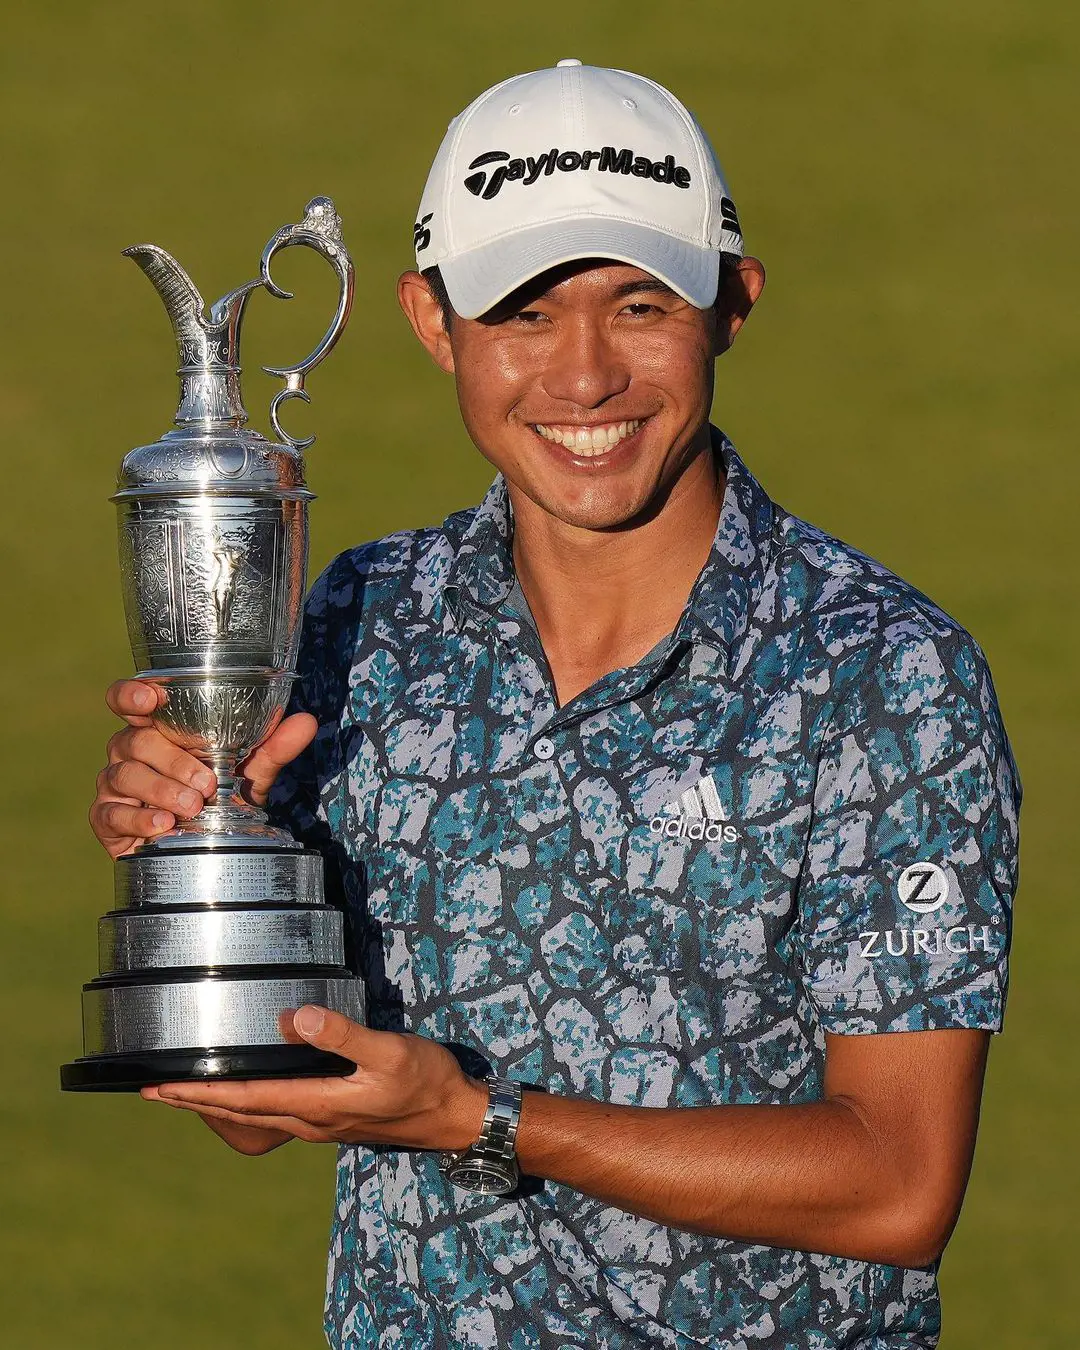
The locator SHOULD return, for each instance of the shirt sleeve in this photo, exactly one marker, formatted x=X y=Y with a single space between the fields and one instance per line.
x=905 y=898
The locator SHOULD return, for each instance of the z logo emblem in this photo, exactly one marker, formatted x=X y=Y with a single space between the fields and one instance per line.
x=923 y=887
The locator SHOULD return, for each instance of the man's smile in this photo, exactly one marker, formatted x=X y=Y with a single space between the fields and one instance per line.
x=588 y=441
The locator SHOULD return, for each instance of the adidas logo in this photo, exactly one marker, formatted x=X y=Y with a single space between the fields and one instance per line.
x=696 y=814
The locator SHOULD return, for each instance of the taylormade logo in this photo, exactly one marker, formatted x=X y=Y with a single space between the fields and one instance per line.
x=486 y=181
x=421 y=233
x=696 y=814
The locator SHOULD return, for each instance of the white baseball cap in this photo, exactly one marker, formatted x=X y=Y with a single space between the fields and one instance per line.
x=574 y=162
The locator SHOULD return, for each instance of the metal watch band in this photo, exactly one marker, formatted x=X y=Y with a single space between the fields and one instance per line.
x=500 y=1127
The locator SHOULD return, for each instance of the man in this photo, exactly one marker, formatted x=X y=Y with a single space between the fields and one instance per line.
x=641 y=792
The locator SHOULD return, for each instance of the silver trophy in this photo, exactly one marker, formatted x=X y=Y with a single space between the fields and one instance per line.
x=221 y=925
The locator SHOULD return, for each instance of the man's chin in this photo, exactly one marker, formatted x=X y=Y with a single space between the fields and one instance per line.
x=598 y=512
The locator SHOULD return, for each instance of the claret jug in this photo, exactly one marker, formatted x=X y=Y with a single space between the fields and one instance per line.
x=221 y=925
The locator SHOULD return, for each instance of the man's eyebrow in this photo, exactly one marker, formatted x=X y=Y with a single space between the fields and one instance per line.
x=522 y=298
x=643 y=286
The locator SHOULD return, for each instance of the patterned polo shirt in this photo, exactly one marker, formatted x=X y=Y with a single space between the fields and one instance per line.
x=796 y=815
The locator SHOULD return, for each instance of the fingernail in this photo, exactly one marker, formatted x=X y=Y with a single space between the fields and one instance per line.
x=143 y=698
x=202 y=779
x=161 y=821
x=190 y=801
x=309 y=1021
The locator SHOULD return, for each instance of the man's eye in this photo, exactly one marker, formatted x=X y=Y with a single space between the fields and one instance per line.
x=640 y=309
x=529 y=316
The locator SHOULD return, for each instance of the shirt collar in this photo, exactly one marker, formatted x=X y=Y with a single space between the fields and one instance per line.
x=481 y=574
x=720 y=604
x=725 y=594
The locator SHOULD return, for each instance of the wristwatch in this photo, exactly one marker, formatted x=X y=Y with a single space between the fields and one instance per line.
x=489 y=1166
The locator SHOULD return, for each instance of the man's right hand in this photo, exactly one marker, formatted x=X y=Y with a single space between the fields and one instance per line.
x=149 y=783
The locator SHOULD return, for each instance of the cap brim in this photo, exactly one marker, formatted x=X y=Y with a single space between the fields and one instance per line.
x=477 y=280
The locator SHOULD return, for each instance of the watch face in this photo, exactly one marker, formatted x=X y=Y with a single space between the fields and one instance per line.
x=483 y=1178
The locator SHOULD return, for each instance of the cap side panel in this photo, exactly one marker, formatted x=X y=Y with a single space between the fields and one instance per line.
x=709 y=164
x=463 y=121
x=717 y=225
x=448 y=178
x=451 y=158
x=707 y=170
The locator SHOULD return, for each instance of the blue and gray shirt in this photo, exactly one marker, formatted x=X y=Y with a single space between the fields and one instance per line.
x=796 y=815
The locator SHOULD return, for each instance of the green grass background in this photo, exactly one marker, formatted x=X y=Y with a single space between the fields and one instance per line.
x=908 y=382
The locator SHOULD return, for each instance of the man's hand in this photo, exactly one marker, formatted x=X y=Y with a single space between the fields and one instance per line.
x=149 y=783
x=406 y=1091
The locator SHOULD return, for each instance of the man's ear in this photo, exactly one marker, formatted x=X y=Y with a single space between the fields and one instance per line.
x=740 y=290
x=423 y=311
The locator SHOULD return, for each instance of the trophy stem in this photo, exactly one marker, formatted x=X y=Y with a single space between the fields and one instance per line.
x=224 y=770
x=226 y=821
x=227 y=811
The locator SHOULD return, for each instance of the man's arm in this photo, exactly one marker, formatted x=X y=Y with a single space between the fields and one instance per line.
x=874 y=1171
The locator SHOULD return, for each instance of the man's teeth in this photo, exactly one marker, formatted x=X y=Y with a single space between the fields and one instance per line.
x=590 y=440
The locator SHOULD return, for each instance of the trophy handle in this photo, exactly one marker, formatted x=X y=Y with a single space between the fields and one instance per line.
x=321 y=230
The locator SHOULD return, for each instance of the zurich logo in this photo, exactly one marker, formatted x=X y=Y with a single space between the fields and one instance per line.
x=923 y=887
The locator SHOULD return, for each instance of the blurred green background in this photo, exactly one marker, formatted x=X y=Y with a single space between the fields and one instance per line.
x=908 y=383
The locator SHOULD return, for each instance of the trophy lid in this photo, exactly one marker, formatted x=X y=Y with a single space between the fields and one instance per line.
x=212 y=450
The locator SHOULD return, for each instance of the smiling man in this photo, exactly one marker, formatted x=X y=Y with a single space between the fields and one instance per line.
x=642 y=794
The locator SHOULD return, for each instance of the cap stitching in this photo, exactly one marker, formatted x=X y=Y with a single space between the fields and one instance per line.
x=579 y=99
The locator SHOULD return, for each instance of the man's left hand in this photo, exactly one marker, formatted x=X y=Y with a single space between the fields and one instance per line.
x=406 y=1091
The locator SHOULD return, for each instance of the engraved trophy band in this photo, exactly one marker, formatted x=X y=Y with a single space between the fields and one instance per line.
x=221 y=926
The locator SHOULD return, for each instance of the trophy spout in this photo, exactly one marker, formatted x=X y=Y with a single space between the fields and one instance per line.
x=183 y=303
x=208 y=347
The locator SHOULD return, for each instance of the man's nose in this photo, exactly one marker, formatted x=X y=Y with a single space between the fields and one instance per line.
x=585 y=367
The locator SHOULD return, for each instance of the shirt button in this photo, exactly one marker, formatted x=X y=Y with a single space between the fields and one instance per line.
x=544 y=748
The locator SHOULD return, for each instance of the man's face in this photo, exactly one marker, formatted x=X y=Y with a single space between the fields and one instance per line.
x=589 y=389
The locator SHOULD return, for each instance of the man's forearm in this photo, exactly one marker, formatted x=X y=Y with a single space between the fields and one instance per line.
x=875 y=1170
x=810 y=1177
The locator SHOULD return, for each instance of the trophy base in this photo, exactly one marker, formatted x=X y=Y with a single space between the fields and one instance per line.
x=130 y=1072
x=207 y=951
